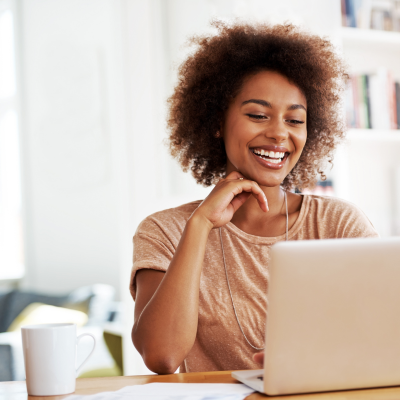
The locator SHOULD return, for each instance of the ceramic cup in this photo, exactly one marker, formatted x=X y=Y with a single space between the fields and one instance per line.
x=50 y=357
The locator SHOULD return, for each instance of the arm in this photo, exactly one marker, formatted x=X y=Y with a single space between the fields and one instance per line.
x=166 y=309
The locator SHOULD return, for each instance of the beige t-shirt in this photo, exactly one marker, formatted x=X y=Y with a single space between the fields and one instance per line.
x=219 y=343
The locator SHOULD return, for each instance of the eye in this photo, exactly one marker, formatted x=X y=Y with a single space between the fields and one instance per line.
x=295 y=121
x=256 y=116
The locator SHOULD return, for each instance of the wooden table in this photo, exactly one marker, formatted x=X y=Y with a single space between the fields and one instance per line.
x=17 y=390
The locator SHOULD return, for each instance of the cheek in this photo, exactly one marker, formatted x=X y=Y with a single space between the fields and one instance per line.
x=236 y=137
x=300 y=141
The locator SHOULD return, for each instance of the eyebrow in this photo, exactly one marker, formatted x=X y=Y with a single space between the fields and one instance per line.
x=297 y=107
x=269 y=105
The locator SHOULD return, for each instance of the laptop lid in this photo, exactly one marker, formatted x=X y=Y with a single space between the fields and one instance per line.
x=333 y=319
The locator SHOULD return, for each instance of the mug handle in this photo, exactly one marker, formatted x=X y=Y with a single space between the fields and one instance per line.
x=87 y=358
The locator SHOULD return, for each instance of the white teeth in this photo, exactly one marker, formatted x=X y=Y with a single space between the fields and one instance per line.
x=273 y=160
x=267 y=153
x=274 y=157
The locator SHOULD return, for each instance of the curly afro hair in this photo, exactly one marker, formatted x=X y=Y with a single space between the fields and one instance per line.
x=212 y=76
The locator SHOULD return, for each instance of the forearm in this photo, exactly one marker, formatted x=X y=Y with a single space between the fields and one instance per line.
x=165 y=331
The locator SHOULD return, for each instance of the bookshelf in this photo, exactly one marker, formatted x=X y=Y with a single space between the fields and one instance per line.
x=368 y=36
x=366 y=167
x=374 y=135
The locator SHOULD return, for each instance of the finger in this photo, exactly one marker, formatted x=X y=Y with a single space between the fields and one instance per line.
x=239 y=200
x=262 y=200
x=259 y=357
x=260 y=197
x=251 y=186
x=234 y=175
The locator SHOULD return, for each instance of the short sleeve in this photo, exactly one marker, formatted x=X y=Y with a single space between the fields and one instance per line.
x=156 y=240
x=357 y=225
x=329 y=217
x=148 y=253
x=349 y=220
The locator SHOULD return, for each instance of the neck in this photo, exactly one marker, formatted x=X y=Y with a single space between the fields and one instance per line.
x=250 y=218
x=251 y=211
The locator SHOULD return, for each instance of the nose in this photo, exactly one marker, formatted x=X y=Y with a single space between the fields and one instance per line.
x=277 y=131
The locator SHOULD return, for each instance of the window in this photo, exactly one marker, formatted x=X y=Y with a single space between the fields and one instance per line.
x=11 y=249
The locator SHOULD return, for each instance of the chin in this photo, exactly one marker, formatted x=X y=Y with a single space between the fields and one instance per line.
x=269 y=178
x=269 y=182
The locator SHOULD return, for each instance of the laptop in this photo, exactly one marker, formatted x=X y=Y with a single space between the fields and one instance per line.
x=333 y=317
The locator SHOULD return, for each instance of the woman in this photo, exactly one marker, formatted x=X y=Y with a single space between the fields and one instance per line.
x=255 y=112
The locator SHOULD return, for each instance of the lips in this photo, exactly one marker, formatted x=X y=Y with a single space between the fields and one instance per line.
x=273 y=157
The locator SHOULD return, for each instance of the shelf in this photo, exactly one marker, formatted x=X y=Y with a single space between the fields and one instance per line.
x=369 y=36
x=390 y=135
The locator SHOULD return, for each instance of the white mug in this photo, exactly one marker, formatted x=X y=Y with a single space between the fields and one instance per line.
x=50 y=357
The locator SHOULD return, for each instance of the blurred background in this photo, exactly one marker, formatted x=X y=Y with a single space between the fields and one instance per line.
x=83 y=89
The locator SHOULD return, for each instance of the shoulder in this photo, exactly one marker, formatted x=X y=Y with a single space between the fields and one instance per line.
x=337 y=217
x=157 y=238
x=170 y=222
x=331 y=204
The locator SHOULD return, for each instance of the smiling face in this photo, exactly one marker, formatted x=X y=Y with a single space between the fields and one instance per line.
x=265 y=128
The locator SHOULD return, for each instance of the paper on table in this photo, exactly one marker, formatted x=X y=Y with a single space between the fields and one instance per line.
x=174 y=391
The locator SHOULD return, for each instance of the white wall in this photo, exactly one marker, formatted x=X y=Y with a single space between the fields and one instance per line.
x=68 y=73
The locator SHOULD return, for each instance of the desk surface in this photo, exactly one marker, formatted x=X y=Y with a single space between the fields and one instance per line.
x=17 y=390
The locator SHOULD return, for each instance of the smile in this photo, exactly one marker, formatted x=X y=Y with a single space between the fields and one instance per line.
x=269 y=158
x=275 y=157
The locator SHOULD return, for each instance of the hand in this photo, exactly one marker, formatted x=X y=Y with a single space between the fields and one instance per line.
x=259 y=357
x=227 y=196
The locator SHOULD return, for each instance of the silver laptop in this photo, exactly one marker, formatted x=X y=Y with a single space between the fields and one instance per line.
x=333 y=317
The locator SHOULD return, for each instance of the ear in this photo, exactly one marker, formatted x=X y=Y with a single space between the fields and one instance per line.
x=219 y=133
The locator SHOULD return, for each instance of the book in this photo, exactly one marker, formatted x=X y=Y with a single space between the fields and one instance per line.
x=373 y=101
x=397 y=89
x=350 y=18
x=322 y=188
x=392 y=101
x=349 y=108
x=368 y=100
x=371 y=14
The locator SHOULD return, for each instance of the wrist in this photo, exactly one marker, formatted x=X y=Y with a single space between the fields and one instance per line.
x=200 y=223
